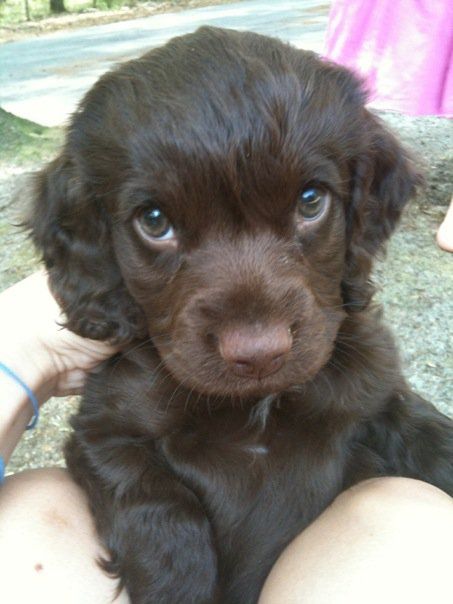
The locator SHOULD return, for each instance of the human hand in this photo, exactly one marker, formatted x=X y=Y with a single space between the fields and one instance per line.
x=52 y=360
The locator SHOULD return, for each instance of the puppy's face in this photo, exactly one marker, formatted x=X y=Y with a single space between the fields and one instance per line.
x=241 y=293
x=216 y=186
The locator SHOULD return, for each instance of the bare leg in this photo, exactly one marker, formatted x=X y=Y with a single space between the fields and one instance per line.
x=445 y=232
x=385 y=540
x=48 y=546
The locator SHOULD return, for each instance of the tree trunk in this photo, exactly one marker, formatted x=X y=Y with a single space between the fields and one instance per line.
x=57 y=6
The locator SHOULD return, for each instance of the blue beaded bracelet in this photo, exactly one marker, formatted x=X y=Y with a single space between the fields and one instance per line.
x=30 y=394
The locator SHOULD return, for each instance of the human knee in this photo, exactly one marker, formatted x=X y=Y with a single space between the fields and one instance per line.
x=48 y=545
x=383 y=540
x=398 y=488
x=40 y=485
x=397 y=500
x=44 y=498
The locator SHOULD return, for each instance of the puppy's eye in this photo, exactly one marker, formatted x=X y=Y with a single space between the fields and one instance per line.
x=153 y=223
x=313 y=202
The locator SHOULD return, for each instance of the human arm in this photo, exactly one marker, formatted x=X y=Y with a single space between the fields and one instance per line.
x=50 y=359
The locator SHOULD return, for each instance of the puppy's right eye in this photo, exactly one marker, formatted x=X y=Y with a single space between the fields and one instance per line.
x=154 y=226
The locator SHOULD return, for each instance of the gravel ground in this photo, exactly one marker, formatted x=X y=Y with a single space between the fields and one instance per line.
x=415 y=285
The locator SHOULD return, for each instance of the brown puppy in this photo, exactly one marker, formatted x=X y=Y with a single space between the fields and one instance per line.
x=216 y=208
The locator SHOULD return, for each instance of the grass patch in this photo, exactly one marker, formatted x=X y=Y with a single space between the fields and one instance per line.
x=24 y=142
x=18 y=257
x=24 y=147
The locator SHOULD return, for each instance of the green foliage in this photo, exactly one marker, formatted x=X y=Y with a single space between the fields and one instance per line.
x=23 y=142
x=24 y=146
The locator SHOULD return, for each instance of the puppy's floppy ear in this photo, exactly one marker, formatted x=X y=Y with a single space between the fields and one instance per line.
x=71 y=229
x=384 y=180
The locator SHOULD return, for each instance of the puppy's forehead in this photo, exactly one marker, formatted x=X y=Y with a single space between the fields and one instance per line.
x=219 y=91
x=220 y=113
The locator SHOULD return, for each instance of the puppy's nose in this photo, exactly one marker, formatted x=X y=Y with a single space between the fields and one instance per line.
x=255 y=352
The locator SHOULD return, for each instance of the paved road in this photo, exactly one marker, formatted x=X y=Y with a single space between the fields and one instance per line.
x=43 y=78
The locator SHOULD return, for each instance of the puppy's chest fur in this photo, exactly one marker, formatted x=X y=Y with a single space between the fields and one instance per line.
x=260 y=486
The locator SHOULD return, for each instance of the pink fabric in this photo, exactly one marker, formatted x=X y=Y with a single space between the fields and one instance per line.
x=403 y=49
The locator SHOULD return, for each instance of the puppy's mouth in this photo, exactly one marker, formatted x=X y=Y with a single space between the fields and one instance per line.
x=228 y=383
x=237 y=364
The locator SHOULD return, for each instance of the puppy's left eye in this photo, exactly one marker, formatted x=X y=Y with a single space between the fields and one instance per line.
x=313 y=202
